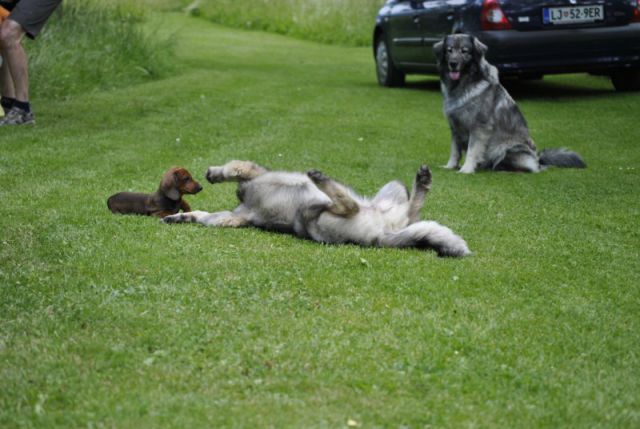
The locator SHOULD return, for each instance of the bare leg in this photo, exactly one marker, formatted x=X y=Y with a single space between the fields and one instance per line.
x=13 y=53
x=235 y=171
x=421 y=186
x=341 y=203
x=7 y=88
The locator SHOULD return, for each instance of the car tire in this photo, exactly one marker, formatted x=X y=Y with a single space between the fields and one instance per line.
x=388 y=74
x=626 y=80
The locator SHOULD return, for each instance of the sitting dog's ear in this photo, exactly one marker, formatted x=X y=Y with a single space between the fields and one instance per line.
x=479 y=49
x=438 y=50
x=169 y=185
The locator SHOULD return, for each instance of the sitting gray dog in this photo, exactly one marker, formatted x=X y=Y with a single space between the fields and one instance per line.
x=484 y=120
x=316 y=207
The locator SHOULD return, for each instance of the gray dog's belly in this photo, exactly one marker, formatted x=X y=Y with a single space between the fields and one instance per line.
x=274 y=199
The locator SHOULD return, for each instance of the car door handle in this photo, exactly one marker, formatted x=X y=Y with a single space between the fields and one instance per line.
x=416 y=19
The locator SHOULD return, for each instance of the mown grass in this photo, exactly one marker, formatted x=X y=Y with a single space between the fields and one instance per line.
x=115 y=321
x=346 y=22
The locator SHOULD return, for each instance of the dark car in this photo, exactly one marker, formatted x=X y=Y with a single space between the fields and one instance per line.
x=526 y=38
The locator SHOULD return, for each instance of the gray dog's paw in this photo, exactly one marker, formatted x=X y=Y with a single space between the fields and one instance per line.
x=317 y=176
x=423 y=177
x=215 y=174
x=172 y=218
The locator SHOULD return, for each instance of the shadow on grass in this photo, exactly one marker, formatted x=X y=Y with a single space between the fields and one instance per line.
x=551 y=87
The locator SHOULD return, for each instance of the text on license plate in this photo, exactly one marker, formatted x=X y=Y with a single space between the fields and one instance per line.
x=572 y=15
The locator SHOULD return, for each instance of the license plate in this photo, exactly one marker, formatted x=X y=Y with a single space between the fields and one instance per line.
x=573 y=14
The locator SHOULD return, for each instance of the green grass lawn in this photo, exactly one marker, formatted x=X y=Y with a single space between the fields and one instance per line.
x=117 y=321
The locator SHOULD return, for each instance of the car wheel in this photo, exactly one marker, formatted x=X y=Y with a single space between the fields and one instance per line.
x=388 y=74
x=626 y=80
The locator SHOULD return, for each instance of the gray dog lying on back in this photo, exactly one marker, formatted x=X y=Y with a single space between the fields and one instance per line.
x=316 y=207
x=484 y=120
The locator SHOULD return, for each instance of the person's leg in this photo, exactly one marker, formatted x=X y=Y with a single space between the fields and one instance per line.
x=6 y=81
x=15 y=75
x=27 y=17
x=11 y=34
x=6 y=88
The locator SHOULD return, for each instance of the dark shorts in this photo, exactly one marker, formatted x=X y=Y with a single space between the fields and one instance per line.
x=32 y=14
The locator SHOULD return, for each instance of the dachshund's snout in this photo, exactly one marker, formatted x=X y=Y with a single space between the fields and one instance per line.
x=192 y=187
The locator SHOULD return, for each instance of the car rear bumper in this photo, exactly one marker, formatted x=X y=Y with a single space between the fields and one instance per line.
x=564 y=51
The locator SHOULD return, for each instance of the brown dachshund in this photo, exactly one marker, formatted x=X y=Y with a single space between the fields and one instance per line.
x=167 y=200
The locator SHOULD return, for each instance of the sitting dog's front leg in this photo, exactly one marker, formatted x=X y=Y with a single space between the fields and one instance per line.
x=459 y=142
x=475 y=152
x=341 y=203
x=235 y=171
x=454 y=156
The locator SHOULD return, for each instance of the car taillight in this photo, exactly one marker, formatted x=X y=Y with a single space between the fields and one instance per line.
x=636 y=13
x=492 y=16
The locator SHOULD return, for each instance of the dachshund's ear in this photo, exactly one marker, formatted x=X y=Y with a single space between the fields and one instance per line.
x=479 y=49
x=169 y=185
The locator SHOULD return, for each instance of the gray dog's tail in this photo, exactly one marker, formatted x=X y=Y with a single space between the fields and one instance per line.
x=561 y=158
x=428 y=234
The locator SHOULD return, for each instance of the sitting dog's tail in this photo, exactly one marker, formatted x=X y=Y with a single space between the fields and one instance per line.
x=561 y=158
x=428 y=234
